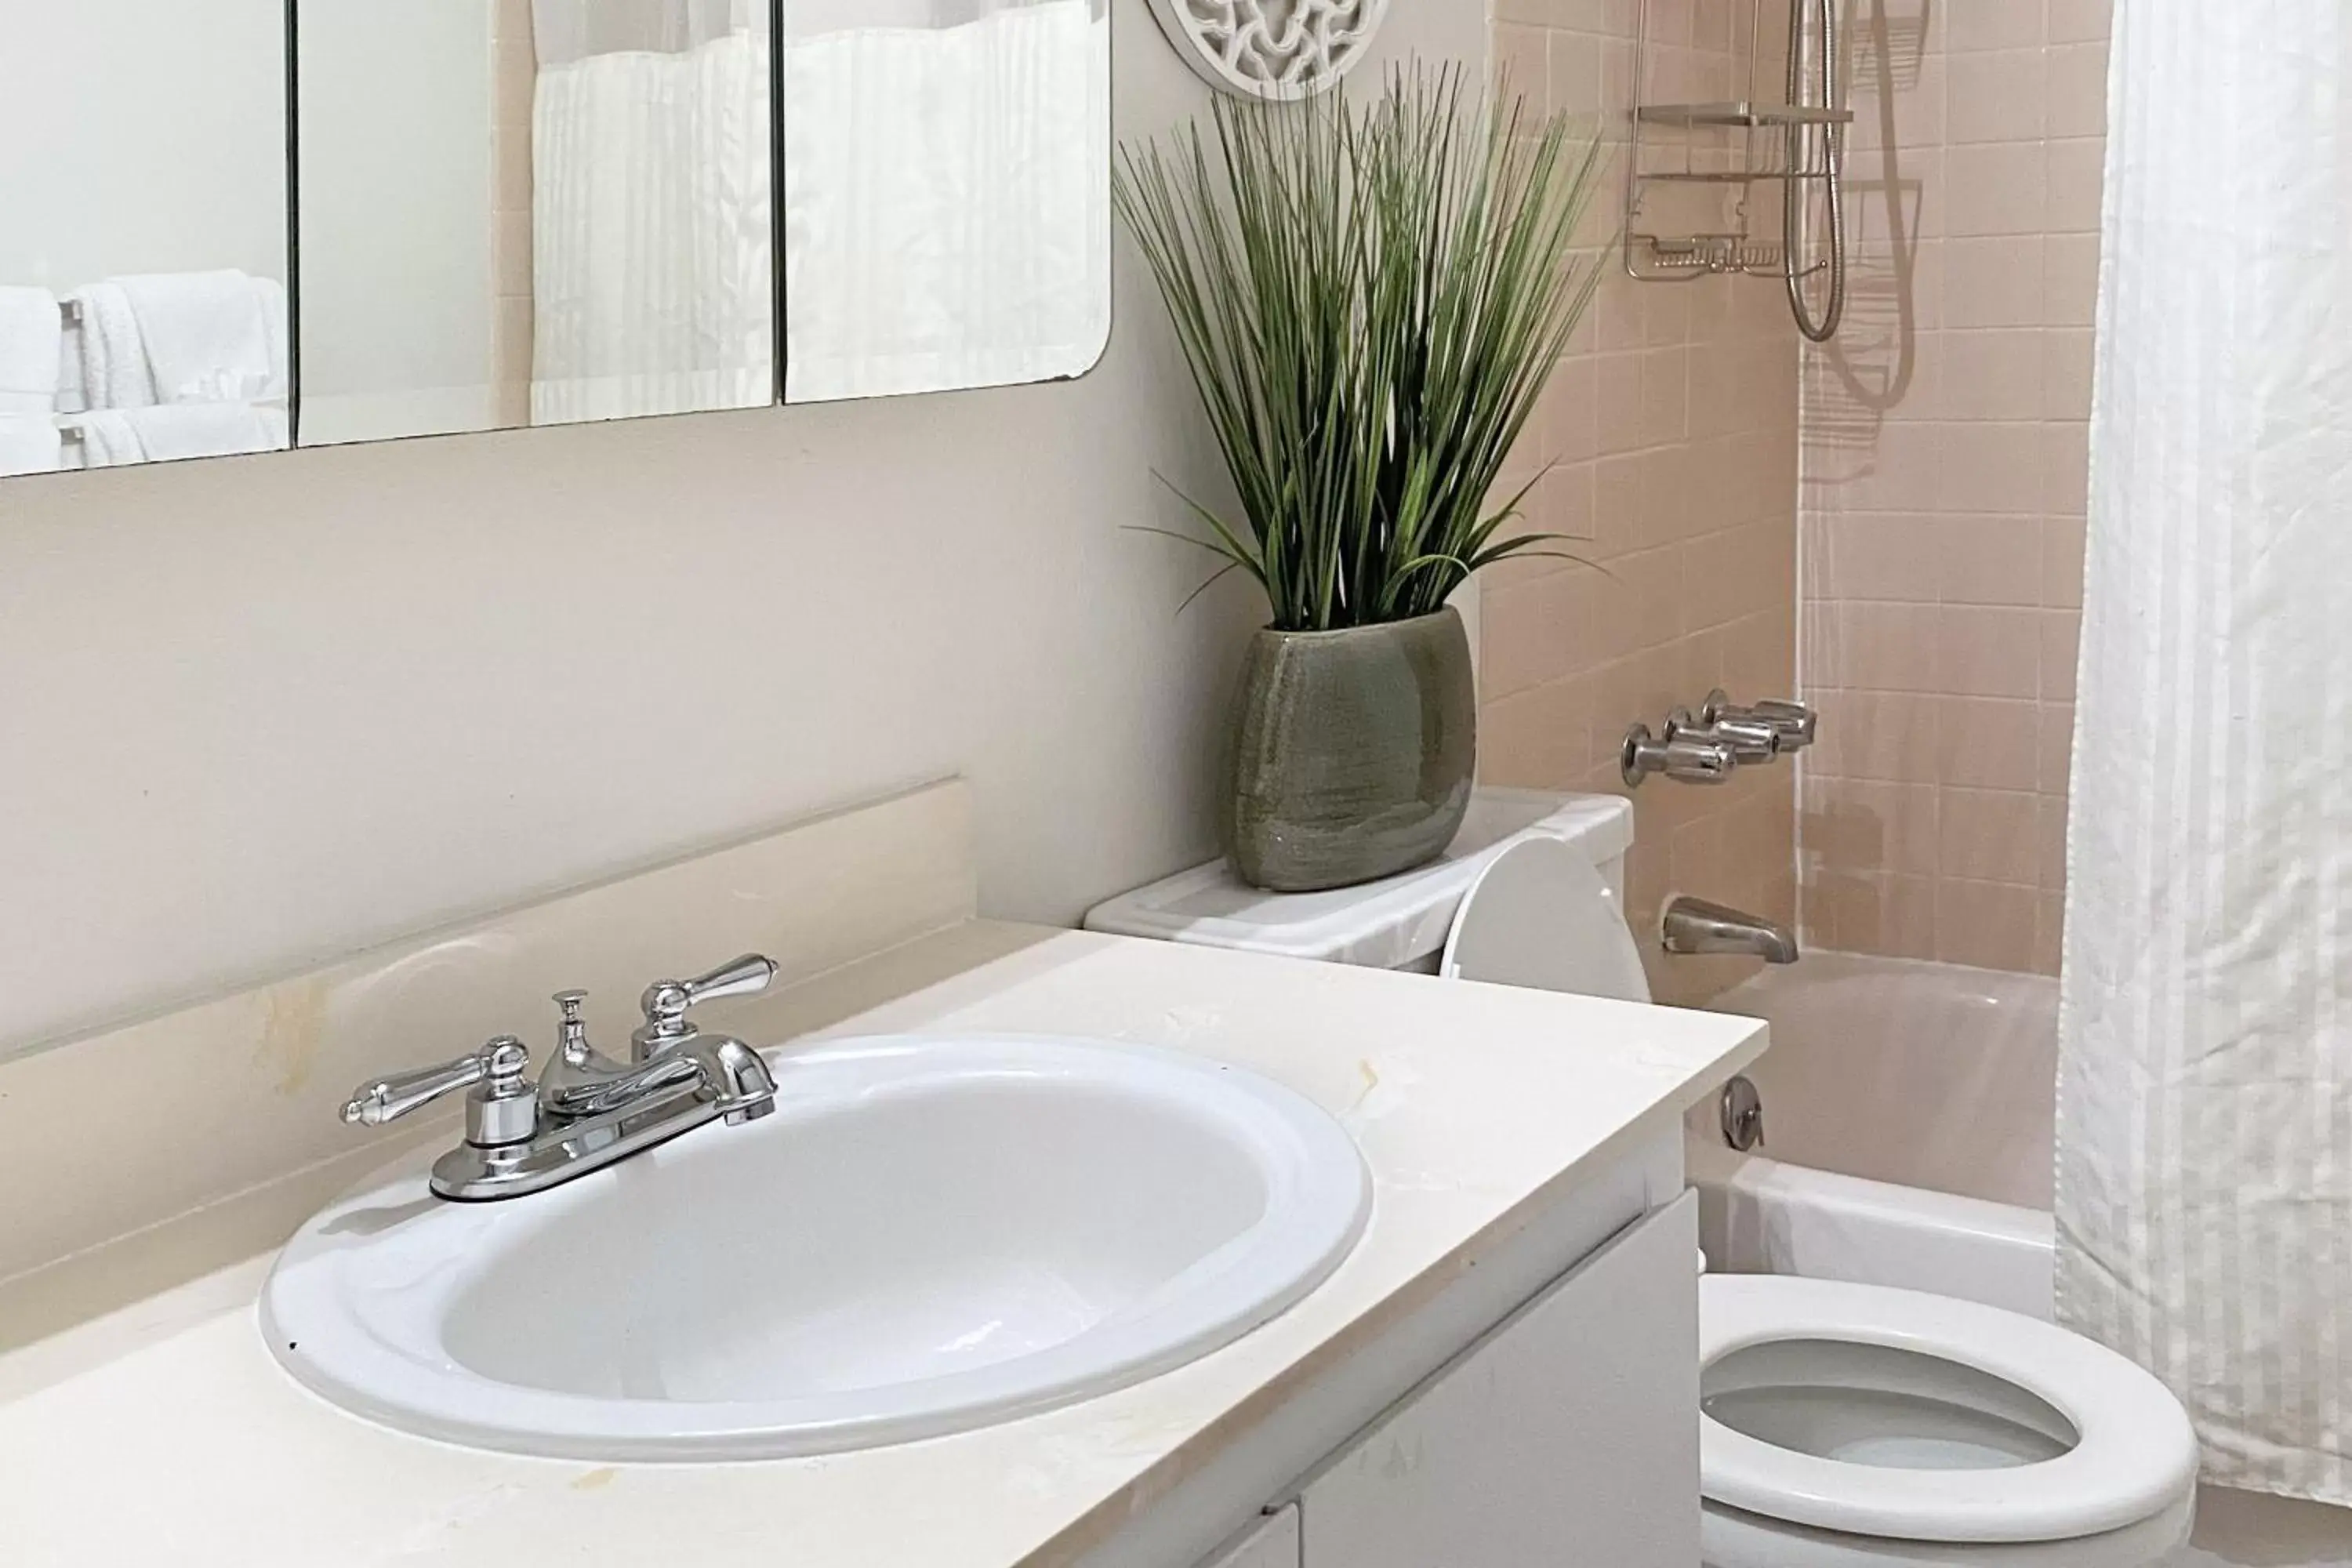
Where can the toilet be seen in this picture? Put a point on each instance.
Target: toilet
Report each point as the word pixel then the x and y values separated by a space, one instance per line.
pixel 1841 1425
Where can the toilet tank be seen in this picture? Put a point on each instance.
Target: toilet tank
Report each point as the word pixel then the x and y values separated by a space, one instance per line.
pixel 1398 922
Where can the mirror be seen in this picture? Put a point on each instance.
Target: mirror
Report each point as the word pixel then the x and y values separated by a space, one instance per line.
pixel 946 193
pixel 508 212
pixel 532 212
pixel 142 231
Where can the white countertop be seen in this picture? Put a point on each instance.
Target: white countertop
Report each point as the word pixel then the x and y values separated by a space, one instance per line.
pixel 165 1433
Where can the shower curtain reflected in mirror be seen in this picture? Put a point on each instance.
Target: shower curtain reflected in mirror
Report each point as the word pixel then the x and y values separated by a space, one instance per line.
pixel 946 196
pixel 652 224
pixel 2205 1087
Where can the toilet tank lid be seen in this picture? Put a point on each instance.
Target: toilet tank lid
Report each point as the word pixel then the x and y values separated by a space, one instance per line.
pixel 1384 924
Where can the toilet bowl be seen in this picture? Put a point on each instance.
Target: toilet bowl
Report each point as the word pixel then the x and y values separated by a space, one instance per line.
pixel 1844 1426
pixel 1848 1424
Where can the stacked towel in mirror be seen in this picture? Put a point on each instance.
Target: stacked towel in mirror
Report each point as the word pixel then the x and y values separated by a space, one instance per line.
pixel 183 364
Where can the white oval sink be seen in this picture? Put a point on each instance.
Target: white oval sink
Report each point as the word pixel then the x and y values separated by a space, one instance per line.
pixel 929 1235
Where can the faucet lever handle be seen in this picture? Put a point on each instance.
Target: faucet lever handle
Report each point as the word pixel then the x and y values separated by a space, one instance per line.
pixel 502 1062
pixel 745 976
pixel 665 1001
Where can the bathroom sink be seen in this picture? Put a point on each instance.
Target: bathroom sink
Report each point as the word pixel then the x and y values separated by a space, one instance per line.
pixel 930 1233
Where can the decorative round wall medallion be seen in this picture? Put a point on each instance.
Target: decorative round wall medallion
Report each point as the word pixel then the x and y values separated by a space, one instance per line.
pixel 1271 49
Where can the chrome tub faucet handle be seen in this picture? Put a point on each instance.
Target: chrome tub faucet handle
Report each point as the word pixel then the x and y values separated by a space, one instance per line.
pixel 1795 723
pixel 1750 739
pixel 1684 758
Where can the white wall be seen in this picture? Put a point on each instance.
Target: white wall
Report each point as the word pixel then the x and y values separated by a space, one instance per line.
pixel 257 710
pixel 141 136
pixel 397 287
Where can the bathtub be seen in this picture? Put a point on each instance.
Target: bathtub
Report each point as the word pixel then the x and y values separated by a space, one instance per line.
pixel 1909 1109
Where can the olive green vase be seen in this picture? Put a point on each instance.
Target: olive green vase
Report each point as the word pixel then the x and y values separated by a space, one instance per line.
pixel 1353 752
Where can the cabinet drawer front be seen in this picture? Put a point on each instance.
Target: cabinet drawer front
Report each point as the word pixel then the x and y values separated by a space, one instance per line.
pixel 1568 1437
pixel 1272 1543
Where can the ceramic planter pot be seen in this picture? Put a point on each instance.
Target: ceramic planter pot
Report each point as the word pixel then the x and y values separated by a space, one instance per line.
pixel 1353 752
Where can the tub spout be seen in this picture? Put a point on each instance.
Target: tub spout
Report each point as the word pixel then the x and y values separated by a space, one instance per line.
pixel 1691 926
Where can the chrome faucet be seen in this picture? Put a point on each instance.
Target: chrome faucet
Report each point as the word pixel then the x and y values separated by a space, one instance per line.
pixel 587 1111
pixel 1705 746
pixel 1693 926
pixel 1791 725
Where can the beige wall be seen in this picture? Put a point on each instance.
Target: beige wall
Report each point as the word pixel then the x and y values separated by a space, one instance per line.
pixel 1945 482
pixel 260 711
pixel 1672 423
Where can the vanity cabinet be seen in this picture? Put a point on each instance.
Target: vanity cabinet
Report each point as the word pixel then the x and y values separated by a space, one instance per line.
pixel 1568 1434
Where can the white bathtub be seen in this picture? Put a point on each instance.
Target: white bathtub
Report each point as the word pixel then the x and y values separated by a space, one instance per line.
pixel 1907 1121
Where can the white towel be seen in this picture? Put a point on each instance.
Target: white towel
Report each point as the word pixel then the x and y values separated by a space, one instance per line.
pixel 208 335
pixel 109 439
pixel 31 336
pixel 170 431
pixel 111 355
pixel 273 320
pixel 29 444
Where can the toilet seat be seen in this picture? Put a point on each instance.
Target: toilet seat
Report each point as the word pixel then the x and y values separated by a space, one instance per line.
pixel 2135 1456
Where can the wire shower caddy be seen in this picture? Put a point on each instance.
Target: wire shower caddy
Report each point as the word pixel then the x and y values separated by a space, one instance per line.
pixel 1695 168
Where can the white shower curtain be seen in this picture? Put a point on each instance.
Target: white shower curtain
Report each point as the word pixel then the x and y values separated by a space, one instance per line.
pixel 946 203
pixel 2205 1096
pixel 652 227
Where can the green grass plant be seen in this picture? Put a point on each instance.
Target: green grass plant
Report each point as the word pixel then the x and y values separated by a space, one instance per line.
pixel 1369 295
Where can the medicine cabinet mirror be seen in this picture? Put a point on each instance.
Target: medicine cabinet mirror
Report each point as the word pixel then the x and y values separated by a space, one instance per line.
pixel 251 224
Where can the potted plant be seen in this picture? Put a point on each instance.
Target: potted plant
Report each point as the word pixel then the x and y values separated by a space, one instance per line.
pixel 1370 296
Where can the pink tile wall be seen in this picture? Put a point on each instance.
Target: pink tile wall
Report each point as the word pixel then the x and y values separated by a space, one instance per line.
pixel 1670 430
pixel 1944 479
